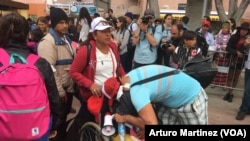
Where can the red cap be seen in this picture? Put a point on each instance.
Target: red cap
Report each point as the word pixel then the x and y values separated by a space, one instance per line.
pixel 109 89
pixel 94 105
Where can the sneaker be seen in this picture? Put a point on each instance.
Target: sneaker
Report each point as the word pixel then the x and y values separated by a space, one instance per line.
pixel 241 115
pixel 228 97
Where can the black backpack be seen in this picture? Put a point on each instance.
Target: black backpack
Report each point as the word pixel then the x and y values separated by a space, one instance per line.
pixel 201 69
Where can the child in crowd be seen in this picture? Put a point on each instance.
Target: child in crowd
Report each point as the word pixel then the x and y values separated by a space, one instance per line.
pixel 36 36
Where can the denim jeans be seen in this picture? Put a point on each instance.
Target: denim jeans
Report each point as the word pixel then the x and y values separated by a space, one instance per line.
pixel 245 105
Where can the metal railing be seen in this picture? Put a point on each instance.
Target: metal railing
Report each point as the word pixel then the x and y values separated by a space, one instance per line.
pixel 230 70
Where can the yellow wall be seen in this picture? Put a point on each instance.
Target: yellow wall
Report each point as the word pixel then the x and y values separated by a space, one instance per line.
pixel 24 13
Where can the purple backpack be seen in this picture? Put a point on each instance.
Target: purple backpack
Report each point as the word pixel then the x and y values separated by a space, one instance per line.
pixel 24 104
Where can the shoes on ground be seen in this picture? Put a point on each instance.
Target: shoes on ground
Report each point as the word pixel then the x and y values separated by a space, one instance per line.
pixel 228 97
pixel 241 115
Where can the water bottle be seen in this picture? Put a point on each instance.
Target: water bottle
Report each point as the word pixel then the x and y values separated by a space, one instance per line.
pixel 121 131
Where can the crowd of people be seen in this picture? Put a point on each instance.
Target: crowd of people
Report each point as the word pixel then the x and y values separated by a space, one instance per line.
pixel 97 58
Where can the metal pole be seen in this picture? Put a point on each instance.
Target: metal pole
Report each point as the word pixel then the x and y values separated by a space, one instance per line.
pixel 204 8
pixel 96 5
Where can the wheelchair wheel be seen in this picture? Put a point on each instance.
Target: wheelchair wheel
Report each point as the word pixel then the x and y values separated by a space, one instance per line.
pixel 90 131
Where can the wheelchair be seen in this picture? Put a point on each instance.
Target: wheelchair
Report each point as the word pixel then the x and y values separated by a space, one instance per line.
pixel 91 131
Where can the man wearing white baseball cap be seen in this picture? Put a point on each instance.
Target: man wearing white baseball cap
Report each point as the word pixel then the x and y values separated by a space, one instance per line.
pixel 93 66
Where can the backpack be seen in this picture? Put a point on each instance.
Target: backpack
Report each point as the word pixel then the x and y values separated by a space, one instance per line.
pixel 162 29
pixel 130 44
pixel 23 98
pixel 201 69
pixel 76 87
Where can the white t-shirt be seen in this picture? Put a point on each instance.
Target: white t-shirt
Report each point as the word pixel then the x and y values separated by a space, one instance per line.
pixel 84 30
pixel 105 66
pixel 133 25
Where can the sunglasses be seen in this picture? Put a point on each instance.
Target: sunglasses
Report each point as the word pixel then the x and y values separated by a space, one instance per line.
pixel 104 23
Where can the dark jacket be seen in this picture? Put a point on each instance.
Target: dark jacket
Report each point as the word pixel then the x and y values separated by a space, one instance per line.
pixel 232 52
pixel 47 73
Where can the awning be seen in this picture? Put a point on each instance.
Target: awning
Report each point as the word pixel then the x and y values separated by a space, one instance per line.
pixel 9 5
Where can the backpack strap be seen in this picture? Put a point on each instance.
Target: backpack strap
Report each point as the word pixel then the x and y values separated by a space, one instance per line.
pixel 5 58
pixel 32 58
pixel 154 27
pixel 130 27
pixel 88 51
pixel 123 32
pixel 156 77
pixel 162 27
pixel 153 32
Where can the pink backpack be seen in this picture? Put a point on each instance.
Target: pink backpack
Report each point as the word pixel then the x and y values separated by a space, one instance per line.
pixel 24 105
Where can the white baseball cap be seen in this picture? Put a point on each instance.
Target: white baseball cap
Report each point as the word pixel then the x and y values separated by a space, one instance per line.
pixel 99 23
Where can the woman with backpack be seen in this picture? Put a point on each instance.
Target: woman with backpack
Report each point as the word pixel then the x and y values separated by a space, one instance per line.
pixel 95 61
pixel 38 95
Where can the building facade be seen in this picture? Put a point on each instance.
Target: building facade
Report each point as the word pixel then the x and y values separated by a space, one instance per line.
pixel 38 7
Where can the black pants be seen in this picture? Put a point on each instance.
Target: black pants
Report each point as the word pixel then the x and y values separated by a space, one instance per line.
pixel 61 130
pixel 130 57
pixel 83 116
pixel 84 112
